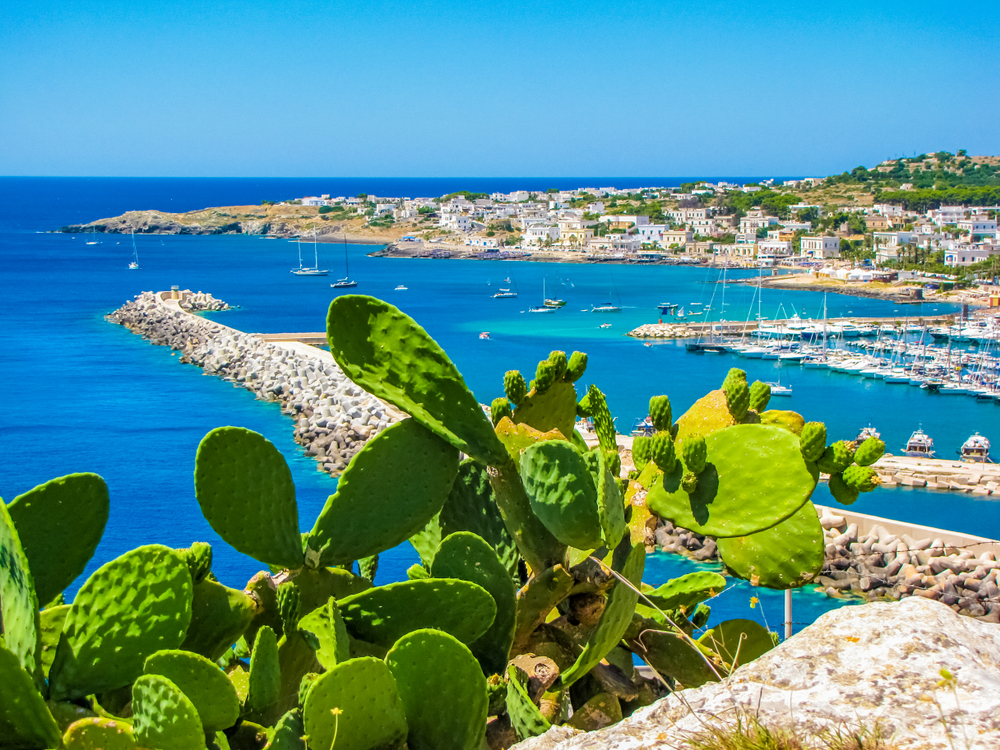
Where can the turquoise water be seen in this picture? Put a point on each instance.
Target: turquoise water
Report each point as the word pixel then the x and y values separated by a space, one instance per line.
pixel 85 395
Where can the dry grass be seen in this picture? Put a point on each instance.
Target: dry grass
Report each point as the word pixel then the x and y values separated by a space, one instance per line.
pixel 749 733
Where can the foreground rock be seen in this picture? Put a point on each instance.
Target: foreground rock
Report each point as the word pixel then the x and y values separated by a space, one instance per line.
pixel 333 416
pixel 857 666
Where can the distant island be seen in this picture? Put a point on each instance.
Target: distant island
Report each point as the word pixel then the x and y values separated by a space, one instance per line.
pixel 934 213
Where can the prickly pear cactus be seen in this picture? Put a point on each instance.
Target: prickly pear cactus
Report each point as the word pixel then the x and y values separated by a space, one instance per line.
pixel 443 691
pixel 642 451
pixel 603 424
pixel 390 356
pixel 219 616
pixel 245 491
pixel 784 556
pixel 562 493
pixel 695 454
pixel 738 641
pixel 165 718
pixel 870 451
pixel 610 506
pixel 551 408
pixel 25 721
pixel 760 395
pixel 289 606
pixel 467 557
pixel 99 733
pixel 708 414
pixel 60 524
pixel 813 439
pixel 836 457
pixel 18 603
pixel 515 387
pixel 525 717
pixel 325 631
pixel 130 607
pixel 51 624
pixel 205 685
pixel 499 409
pixel 576 366
pixel 661 413
pixel 686 592
pixel 289 733
pixel 355 706
pixel 737 397
pixel 841 492
pixel 662 451
pixel 385 614
pixel 559 361
pixel 546 375
pixel 861 478
pixel 199 561
pixel 265 673
pixel 369 513
pixel 755 476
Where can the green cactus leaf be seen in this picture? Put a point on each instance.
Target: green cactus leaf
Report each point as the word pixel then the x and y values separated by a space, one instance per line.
pixel 357 704
pixel 673 655
pixel 784 556
pixel 25 721
pixel 755 477
pixel 288 733
pixel 385 614
pixel 536 544
pixel 610 506
pixel 368 513
pixel 471 506
pixel 130 607
pixel 390 356
pixel 165 718
pixel 617 613
pixel 555 409
pixel 265 672
pixel 443 691
pixel 207 686
pixel 427 540
pixel 517 437
pixel 60 524
pixel 296 659
pixel 99 733
pixel 240 678
pixel 562 493
pixel 327 634
pixel 687 592
pixel 738 641
pixel 317 586
pixel 466 556
pixel 597 712
pixel 50 630
pixel 245 491
pixel 19 620
pixel 604 425
pixel 219 616
pixel 218 741
pixel 525 717
pixel 543 591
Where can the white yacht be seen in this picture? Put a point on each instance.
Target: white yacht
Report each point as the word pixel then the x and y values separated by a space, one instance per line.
pixel 920 445
pixel 976 449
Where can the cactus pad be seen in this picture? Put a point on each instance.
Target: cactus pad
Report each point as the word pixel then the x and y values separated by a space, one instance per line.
pixel 467 557
pixel 604 425
pixel 553 408
pixel 576 366
pixel 18 604
pixel 695 454
pixel 836 457
pixel 99 733
pixel 499 409
pixel 841 492
pixel 870 451
pixel 535 601
pixel 662 451
pixel 813 439
pixel 50 631
pixel 130 607
pixel 737 397
pixel 707 415
pixel 525 717
pixel 790 420
pixel 785 556
pixel 546 374
pixel 288 733
pixel 390 356
pixel 165 718
pixel 25 720
pixel 558 360
pixel 617 613
pixel 686 592
pixel 219 616
pixel 517 437
pixel 754 478
pixel 760 394
pixel 562 493
pixel 207 686
pixel 385 614
pixel 661 413
pixel 265 672
pixel 356 703
pixel 610 506
pixel 327 634
pixel 642 451
pixel 246 494
pixel 673 655
pixel 289 606
pixel 60 524
pixel 515 387
pixel 861 478
pixel 443 691
pixel 390 490
pixel 199 561
pixel 738 642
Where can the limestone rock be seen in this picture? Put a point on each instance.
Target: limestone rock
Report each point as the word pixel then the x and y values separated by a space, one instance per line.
pixel 876 663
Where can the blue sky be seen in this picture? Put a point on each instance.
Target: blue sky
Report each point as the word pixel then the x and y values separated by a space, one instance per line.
pixel 98 87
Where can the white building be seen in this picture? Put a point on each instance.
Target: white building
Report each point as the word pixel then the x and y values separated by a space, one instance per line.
pixel 754 220
pixel 456 222
pixel 979 227
pixel 819 248
pixel 773 249
pixel 537 233
pixel 966 255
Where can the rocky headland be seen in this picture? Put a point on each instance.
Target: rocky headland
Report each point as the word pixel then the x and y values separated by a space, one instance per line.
pixel 333 416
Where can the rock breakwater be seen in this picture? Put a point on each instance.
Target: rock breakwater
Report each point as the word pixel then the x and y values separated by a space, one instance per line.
pixel 333 416
pixel 880 565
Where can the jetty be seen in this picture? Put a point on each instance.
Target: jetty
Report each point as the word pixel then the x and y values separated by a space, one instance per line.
pixel 674 328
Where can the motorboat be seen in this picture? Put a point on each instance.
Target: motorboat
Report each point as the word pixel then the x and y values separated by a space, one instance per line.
pixel 777 389
pixel 555 303
pixel 542 309
pixel 509 292
pixel 920 445
pixel 976 449
pixel 866 432
pixel 643 428
pixel 402 288
pixel 485 335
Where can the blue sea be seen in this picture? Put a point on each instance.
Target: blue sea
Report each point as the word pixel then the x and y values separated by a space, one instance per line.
pixel 85 395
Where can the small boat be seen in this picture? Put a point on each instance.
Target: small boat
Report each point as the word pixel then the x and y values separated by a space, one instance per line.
pixel 306 270
pixel 605 325
pixel 400 288
pixel 865 433
pixel 485 335
pixel 555 303
pixel 508 293
pixel 667 307
pixel 920 445
pixel 346 282
pixel 643 428
pixel 976 449
pixel 777 389
pixel 544 307
pixel 93 237
pixel 605 308
pixel 134 265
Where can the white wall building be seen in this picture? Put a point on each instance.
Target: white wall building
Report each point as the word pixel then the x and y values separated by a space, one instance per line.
pixel 819 248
